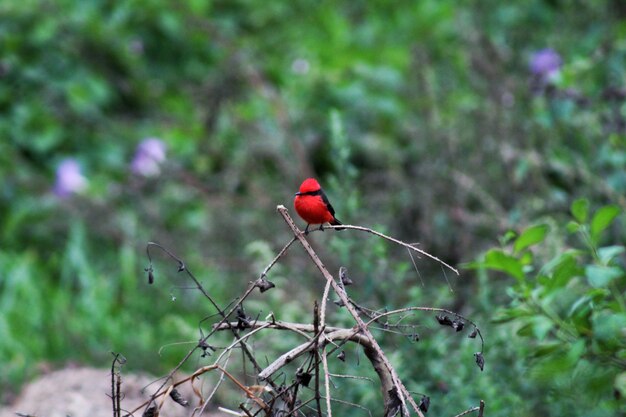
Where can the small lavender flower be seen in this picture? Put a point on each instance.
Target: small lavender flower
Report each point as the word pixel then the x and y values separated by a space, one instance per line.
pixel 545 63
pixel 148 158
pixel 300 66
pixel 69 179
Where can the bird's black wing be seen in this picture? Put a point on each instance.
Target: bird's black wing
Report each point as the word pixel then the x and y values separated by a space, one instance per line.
pixel 328 205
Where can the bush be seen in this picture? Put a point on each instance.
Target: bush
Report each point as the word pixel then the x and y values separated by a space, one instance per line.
pixel 567 309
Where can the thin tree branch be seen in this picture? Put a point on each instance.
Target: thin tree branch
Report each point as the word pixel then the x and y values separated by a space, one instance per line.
pixel 389 238
pixel 182 267
pixel 316 352
pixel 471 410
pixel 301 329
pixel 326 382
pixel 403 393
pixel 196 374
pixel 443 310
pixel 281 253
pixel 200 409
pixel 323 352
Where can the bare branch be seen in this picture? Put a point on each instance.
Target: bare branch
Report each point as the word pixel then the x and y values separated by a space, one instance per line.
pixel 199 410
pixel 329 412
pixel 182 267
pixel 281 253
pixel 299 328
pixel 292 399
pixel 403 393
pixel 378 316
pixel 195 375
pixel 471 410
pixel 391 239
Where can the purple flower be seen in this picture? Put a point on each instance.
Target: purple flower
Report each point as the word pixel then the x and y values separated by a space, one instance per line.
pixel 69 179
pixel 545 63
pixel 149 155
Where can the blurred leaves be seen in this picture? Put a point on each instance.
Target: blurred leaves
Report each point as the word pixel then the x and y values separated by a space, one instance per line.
pixel 571 313
pixel 531 236
pixel 601 276
pixel 601 220
pixel 498 260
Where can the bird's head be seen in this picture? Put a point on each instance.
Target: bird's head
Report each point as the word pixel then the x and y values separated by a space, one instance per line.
pixel 309 185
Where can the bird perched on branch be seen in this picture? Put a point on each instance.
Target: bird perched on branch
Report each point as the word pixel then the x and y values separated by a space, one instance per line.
pixel 313 206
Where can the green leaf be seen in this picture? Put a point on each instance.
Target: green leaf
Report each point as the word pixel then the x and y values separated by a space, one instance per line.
pixel 608 326
pixel 584 304
pixel 580 305
pixel 561 269
pixel 530 236
pixel 580 209
pixel 603 219
pixel 559 364
pixel 541 325
pixel 510 314
pixel 527 259
pixel 600 276
pixel 497 260
pixel 607 253
pixel 508 237
pixel 547 349
pixel 577 349
pixel 573 227
pixel 526 330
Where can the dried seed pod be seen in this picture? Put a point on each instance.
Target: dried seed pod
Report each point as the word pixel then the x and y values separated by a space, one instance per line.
pixel 178 398
pixel 480 360
pixel 303 378
pixel 243 321
pixel 424 403
pixel 206 348
pixel 458 325
pixel 150 411
pixel 444 320
pixel 343 276
pixel 150 272
pixel 263 284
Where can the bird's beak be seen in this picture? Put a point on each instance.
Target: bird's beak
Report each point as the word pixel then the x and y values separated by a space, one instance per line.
pixel 298 193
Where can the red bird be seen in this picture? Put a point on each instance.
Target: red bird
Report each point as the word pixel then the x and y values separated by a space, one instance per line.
pixel 313 206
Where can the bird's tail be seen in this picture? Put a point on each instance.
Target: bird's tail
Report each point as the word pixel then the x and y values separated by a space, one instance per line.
pixel 336 222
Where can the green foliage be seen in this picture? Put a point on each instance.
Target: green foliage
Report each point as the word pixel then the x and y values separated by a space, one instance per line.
pixel 83 313
pixel 419 118
pixel 567 307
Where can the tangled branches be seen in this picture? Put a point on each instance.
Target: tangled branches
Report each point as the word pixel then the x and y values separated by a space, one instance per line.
pixel 310 388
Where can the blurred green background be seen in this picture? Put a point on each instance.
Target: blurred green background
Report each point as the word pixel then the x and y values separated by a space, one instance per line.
pixel 492 133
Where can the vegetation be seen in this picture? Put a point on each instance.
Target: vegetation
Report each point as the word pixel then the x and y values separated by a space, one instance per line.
pixel 444 122
pixel 567 308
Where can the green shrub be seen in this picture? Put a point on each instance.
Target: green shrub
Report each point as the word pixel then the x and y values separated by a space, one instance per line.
pixel 567 309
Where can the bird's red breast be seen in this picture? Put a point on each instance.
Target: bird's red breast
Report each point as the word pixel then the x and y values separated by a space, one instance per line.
pixel 312 205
